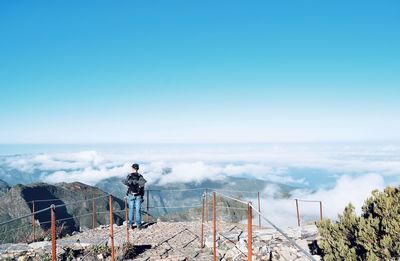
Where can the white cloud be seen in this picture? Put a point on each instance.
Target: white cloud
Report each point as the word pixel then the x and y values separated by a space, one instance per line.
pixel 347 189
pixel 64 161
pixel 189 172
pixel 194 163
pixel 88 175
pixel 351 165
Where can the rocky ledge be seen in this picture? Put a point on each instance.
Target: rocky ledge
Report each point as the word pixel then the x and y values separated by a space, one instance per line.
pixel 168 241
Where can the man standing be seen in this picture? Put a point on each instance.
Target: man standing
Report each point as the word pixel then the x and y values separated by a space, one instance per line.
pixel 135 193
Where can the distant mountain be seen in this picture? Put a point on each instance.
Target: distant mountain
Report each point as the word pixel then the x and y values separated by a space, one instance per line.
pixel 164 200
pixel 17 202
pixel 15 176
pixel 4 187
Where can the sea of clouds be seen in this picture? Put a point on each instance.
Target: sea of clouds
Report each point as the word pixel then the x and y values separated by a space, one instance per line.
pixel 342 173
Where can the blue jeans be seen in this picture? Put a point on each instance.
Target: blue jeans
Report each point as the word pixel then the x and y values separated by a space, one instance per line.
pixel 135 202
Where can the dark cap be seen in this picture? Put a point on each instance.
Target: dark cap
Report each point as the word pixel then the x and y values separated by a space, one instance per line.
pixel 135 166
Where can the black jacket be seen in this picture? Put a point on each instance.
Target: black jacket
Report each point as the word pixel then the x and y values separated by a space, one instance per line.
pixel 135 183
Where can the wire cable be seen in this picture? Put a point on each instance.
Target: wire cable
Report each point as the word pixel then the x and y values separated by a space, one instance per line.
pixel 80 201
pixel 25 216
pixel 311 201
pixel 234 199
pixel 284 234
pixel 195 206
pixel 45 209
pixel 173 190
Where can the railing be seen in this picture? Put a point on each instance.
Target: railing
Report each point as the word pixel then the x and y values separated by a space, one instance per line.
pixel 307 201
pixel 53 219
pixel 250 209
pixel 205 218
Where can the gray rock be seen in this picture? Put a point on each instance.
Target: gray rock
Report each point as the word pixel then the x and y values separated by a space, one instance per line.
pixel 172 241
pixel 39 245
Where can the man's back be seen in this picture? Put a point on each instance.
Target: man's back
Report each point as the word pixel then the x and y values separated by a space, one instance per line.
pixel 135 183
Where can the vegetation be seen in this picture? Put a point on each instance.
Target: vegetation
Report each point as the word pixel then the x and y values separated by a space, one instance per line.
pixel 101 249
pixel 375 235
pixel 45 257
pixel 131 251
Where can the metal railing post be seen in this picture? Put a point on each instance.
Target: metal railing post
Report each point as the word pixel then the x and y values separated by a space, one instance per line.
pixel 206 205
pixel 249 233
pixel 53 233
pixel 202 222
pixel 320 210
pixel 126 220
pixel 215 225
pixel 111 229
pixel 33 221
pixel 259 209
pixel 94 214
pixel 147 204
pixel 297 211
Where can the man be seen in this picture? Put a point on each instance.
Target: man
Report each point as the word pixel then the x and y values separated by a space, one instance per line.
pixel 135 193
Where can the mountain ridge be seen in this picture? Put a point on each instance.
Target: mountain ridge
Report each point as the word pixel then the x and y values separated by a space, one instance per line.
pixel 18 201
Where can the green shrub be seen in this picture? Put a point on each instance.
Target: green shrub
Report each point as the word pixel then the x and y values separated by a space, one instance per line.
pixel 375 235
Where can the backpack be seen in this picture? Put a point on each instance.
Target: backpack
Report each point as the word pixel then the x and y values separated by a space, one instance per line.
pixel 133 185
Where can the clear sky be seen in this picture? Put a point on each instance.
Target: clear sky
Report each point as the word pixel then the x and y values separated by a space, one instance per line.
pixel 199 71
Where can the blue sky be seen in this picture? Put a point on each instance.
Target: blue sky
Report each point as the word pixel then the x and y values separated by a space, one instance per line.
pixel 199 71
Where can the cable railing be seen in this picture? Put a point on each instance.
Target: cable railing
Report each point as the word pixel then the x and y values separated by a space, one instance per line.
pixel 284 234
pixel 193 206
pixel 251 208
pixel 175 190
pixel 307 201
pixel 39 220
pixel 240 208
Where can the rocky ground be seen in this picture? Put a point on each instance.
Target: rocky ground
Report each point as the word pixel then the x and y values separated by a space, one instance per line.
pixel 168 241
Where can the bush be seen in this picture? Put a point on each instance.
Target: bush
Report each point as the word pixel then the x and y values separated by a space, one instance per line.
pixel 375 235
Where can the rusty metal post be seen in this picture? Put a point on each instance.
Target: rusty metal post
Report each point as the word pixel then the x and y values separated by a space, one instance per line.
pixel 297 211
pixel 147 204
pixel 259 209
pixel 320 210
pixel 126 220
pixel 206 205
pixel 215 225
pixel 202 222
pixel 33 221
pixel 249 233
pixel 94 214
pixel 53 234
pixel 111 229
